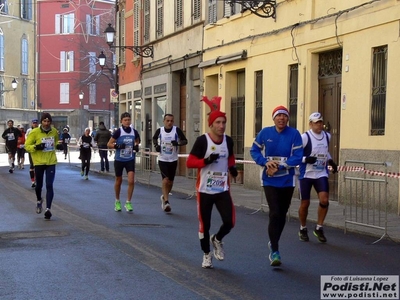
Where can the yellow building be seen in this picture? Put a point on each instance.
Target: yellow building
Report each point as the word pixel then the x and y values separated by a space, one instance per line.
pixel 336 57
pixel 17 62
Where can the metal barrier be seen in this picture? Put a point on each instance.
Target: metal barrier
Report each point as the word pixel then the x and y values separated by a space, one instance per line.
pixel 366 196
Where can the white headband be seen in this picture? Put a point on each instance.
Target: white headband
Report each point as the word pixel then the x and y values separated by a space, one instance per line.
pixel 280 111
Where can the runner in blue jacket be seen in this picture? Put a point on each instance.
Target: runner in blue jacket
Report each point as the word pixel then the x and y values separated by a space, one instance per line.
pixel 278 149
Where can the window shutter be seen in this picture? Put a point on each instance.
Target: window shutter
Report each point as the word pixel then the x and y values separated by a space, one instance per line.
pixel 71 60
pixel 147 20
pixel 57 28
pixel 62 61
pixel 88 24
pixel 97 20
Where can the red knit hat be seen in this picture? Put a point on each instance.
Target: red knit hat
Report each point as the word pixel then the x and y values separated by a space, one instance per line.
pixel 214 105
pixel 279 110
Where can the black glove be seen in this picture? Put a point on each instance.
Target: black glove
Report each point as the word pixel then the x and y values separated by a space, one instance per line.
pixel 158 148
pixel 174 143
pixel 40 146
pixel 119 146
pixel 233 171
pixel 81 146
pixel 136 148
pixel 59 147
pixel 333 165
pixel 213 157
pixel 311 159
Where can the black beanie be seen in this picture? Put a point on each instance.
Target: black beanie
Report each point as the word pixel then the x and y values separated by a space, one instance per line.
pixel 46 116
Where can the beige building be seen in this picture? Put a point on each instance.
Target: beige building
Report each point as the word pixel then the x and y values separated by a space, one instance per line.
pixel 169 81
pixel 17 62
pixel 336 57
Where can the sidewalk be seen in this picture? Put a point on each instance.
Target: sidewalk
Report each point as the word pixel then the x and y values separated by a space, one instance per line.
pixel 255 200
pixel 248 198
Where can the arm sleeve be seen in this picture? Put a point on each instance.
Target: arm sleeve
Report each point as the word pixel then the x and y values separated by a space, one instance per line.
pixel 30 143
pixel 155 137
pixel 297 151
pixel 137 137
pixel 231 157
pixel 196 156
pixel 256 149
pixel 182 138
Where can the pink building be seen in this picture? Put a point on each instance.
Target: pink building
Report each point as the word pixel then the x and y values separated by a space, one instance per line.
pixel 70 38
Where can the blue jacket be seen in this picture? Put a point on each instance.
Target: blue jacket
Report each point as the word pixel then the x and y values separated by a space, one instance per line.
pixel 285 147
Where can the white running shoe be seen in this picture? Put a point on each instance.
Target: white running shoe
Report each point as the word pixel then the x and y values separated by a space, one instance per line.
pixel 218 248
pixel 165 205
pixel 207 261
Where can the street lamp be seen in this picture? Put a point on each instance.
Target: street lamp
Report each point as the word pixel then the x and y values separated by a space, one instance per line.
pixel 144 51
pixel 14 85
pixel 81 94
pixel 261 8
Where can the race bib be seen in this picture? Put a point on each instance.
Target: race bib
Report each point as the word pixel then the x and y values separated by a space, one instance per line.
pixel 49 144
pixel 217 181
pixel 127 152
pixel 320 163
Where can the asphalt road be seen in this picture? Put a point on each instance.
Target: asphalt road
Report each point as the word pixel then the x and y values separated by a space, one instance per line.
pixel 89 251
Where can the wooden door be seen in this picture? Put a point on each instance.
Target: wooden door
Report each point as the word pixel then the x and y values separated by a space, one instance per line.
pixel 329 106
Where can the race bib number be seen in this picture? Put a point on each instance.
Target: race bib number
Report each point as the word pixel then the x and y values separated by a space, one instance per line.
pixel 281 161
pixel 10 136
pixel 127 152
pixel 49 144
pixel 168 148
pixel 217 182
pixel 320 163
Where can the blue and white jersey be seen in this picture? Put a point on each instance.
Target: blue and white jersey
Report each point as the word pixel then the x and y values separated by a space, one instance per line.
pixel 316 145
pixel 128 139
pixel 284 147
pixel 169 152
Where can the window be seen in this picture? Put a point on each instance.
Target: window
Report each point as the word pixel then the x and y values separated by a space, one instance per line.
pixel 64 23
pixel 121 51
pixel 378 104
pixel 24 56
pixel 178 14
pixel 24 94
pixel 160 19
pixel 136 24
pixel 259 102
pixel 92 93
pixel 293 87
pixel 92 25
pixel 237 117
pixel 146 20
pixel 231 8
pixel 64 93
pixel 4 7
pixel 92 62
pixel 26 9
pixel 66 61
pixel 212 11
pixel 1 52
pixel 196 10
pixel 2 103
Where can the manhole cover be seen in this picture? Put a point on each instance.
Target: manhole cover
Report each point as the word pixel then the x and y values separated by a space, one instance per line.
pixel 31 234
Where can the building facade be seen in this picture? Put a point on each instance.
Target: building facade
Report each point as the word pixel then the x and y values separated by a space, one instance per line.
pixel 70 39
pixel 168 82
pixel 336 57
pixel 17 63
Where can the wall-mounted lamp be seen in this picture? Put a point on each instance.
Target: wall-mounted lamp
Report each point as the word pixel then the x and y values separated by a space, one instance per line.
pixel 14 85
pixel 144 51
pixel 81 94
